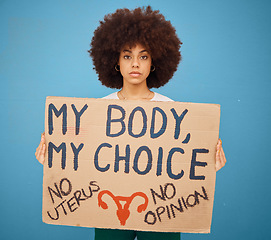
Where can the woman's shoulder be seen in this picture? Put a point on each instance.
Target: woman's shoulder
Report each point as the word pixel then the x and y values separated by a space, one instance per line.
pixel 161 98
pixel 113 95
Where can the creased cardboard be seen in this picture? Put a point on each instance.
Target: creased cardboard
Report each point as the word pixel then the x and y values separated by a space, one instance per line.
pixel 138 165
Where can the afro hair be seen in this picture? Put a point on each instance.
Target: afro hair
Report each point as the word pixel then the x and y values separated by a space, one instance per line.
pixel 130 27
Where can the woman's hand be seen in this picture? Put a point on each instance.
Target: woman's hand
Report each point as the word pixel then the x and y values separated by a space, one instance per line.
pixel 40 151
pixel 220 158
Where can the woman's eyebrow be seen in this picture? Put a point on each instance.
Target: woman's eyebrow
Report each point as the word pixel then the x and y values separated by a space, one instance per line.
pixel 129 51
pixel 143 51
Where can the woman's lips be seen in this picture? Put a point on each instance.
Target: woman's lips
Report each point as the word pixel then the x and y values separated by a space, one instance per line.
pixel 135 74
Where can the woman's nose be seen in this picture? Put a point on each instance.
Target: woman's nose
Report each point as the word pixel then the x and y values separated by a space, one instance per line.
pixel 135 63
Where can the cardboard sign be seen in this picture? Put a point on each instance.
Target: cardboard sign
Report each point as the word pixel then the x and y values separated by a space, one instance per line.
pixel 138 165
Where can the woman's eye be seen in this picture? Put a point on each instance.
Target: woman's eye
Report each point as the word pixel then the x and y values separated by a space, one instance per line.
pixel 127 57
pixel 144 57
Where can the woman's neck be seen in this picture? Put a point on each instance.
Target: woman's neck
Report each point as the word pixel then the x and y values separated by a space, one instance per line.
pixel 135 92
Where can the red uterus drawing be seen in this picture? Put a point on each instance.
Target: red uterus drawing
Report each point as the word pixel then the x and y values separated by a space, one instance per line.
pixel 123 213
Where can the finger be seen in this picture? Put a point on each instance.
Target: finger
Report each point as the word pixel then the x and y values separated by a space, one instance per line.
pixel 219 145
pixel 37 149
pixel 218 165
pixel 40 145
pixel 219 142
pixel 42 156
pixel 221 162
pixel 223 157
pixel 42 141
pixel 42 138
pixel 38 152
pixel 218 148
pixel 220 159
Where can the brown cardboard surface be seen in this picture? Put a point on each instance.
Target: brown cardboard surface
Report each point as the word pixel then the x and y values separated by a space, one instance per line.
pixel 114 164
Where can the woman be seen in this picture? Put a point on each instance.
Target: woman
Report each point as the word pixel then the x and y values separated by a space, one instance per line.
pixel 134 51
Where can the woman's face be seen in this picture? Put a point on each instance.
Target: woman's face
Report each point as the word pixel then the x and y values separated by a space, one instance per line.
pixel 135 64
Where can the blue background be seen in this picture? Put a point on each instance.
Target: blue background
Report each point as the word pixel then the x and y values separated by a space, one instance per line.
pixel 226 60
